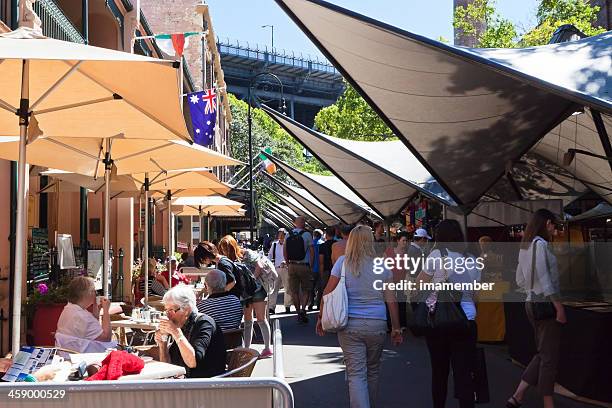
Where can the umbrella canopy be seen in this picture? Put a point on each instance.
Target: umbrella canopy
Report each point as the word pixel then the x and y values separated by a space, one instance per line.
pixel 192 210
pixel 54 88
pixel 86 155
pixel 329 190
pixel 463 113
pixel 132 185
pixel 76 90
pixel 210 204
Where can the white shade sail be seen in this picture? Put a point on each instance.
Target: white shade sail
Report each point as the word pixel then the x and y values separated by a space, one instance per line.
pixel 329 190
pixel 308 201
pixel 464 114
pixel 297 208
pixel 385 174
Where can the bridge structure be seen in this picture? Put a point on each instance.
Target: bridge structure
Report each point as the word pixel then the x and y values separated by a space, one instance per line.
pixel 309 83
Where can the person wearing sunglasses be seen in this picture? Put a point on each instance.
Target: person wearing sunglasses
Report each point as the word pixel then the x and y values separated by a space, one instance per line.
pixel 188 338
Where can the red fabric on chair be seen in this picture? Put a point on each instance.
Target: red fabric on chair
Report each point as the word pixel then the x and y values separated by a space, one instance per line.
pixel 117 364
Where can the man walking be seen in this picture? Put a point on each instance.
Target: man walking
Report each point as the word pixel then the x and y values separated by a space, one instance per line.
pixel 276 255
pixel 299 254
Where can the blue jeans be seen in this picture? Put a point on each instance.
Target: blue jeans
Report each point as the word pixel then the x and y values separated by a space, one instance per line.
pixel 362 344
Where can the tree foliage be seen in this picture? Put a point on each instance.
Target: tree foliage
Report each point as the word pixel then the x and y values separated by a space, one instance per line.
pixel 500 32
pixel 352 118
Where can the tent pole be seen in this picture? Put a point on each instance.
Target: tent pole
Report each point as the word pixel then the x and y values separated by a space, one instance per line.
pixel 108 164
pixel 170 248
pixel 22 196
pixel 145 265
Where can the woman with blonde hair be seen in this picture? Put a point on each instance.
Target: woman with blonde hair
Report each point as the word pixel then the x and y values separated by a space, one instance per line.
pixel 363 337
pixel 228 246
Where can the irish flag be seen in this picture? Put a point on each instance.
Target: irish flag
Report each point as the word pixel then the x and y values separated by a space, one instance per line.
pixel 174 44
pixel 266 163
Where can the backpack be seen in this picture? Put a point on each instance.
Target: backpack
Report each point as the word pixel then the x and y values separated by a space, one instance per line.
pixel 295 246
pixel 245 280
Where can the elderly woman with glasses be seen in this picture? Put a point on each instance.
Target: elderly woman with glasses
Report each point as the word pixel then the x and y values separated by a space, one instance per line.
pixel 189 338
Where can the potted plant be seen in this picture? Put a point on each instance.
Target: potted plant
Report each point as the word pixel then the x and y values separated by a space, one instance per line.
pixel 43 309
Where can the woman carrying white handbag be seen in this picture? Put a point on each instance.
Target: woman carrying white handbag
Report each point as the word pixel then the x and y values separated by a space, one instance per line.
pixel 356 310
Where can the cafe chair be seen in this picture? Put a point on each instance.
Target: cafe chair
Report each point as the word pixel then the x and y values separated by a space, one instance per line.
pixel 242 362
pixel 233 338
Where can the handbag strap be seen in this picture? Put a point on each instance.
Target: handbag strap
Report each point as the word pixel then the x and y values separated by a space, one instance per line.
pixel 533 261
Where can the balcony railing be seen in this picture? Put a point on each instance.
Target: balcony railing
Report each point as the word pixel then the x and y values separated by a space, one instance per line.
pixel 55 24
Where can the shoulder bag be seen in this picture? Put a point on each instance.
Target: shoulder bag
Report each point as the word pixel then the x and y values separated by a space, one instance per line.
pixel 334 316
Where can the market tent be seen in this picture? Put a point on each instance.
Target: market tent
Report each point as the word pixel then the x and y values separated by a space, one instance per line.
pixel 308 201
pixel 465 114
pixel 385 174
pixel 297 208
pixel 601 210
pixel 271 223
pixel 280 212
pixel 329 190
pixel 497 213
pixel 56 88
pixel 268 212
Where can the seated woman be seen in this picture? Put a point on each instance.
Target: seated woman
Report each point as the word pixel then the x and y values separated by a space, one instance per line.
pixel 79 329
pixel 177 277
pixel 158 285
pixel 224 307
pixel 188 338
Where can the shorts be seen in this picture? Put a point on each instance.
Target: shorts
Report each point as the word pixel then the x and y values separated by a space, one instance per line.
pixel 300 276
pixel 259 296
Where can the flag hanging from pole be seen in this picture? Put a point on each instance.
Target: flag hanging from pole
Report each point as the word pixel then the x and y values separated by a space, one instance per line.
pixel 266 163
pixel 174 44
pixel 201 117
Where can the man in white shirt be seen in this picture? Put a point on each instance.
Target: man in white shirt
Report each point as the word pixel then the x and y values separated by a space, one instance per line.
pixel 276 255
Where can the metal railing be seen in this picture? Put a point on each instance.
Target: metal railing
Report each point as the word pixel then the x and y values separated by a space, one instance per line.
pixel 275 56
pixel 55 24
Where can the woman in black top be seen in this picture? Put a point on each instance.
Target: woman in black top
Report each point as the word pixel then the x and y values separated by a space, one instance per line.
pixel 207 253
pixel 188 338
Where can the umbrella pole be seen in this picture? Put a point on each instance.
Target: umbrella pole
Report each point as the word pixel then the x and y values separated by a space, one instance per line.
pixel 22 195
pixel 108 164
pixel 208 226
pixel 201 225
pixel 170 249
pixel 146 239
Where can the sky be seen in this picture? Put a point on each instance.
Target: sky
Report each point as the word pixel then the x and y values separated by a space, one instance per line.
pixel 241 20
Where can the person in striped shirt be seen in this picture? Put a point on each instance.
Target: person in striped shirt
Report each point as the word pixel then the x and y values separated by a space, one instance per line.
pixel 224 307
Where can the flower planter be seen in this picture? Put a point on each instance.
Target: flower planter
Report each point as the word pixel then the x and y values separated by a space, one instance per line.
pixel 44 323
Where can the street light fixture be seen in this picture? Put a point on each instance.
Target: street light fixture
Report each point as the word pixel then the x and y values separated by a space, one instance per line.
pixel 272 27
pixel 281 107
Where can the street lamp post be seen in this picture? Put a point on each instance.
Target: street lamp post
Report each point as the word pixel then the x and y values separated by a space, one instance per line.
pixel 272 27
pixel 250 129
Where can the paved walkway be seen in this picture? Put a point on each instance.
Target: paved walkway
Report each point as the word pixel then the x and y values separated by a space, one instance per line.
pixel 314 369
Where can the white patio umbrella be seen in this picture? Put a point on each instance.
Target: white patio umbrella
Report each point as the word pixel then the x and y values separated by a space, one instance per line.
pixel 62 89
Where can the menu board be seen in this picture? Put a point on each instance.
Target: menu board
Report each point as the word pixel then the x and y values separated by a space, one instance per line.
pixel 65 251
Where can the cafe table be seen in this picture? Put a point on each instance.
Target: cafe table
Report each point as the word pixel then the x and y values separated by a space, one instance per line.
pixel 133 324
pixel 153 370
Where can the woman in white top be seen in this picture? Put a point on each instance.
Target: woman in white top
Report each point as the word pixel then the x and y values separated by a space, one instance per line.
pixel 448 261
pixel 79 327
pixel 540 280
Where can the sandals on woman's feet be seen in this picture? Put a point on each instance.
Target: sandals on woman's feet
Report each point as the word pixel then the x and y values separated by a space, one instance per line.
pixel 513 403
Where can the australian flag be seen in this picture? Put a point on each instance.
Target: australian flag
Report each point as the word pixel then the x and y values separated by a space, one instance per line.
pixel 201 117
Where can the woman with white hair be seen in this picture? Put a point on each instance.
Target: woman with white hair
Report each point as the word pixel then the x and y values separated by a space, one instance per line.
pixel 224 307
pixel 188 338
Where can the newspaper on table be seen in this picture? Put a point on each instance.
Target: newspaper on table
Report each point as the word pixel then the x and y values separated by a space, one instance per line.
pixel 27 361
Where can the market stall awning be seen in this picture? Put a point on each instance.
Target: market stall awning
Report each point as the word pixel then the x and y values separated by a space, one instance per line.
pixel 287 214
pixel 303 203
pixel 497 213
pixel 463 113
pixel 601 210
pixel 385 174
pixel 329 190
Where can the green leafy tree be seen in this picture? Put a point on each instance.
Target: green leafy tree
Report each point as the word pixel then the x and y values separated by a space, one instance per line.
pixel 500 32
pixel 266 133
pixel 352 118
